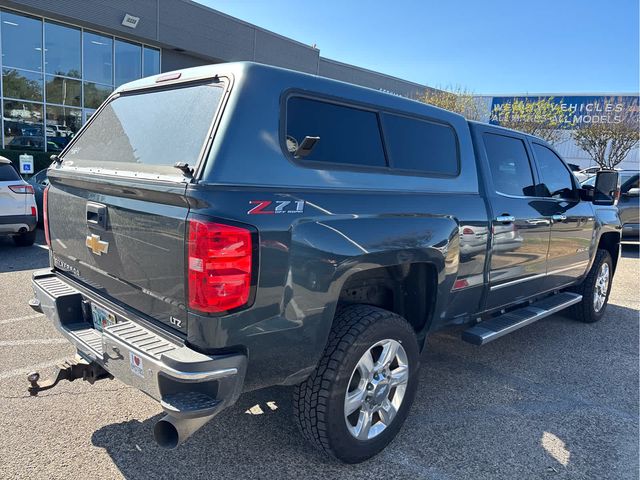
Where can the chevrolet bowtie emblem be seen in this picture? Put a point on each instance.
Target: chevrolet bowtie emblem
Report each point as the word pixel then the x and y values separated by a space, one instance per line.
pixel 96 245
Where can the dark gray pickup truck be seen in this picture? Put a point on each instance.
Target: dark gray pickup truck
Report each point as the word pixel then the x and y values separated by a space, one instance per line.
pixel 226 228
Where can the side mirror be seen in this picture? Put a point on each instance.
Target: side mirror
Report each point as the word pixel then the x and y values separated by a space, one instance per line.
pixel 633 192
pixel 606 188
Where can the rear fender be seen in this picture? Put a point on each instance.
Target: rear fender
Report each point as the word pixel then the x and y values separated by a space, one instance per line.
pixel 325 253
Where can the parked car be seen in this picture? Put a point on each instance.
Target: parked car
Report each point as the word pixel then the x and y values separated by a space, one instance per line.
pixel 39 182
pixel 628 204
pixel 306 232
pixel 59 130
pixel 586 173
pixel 18 213
pixel 31 143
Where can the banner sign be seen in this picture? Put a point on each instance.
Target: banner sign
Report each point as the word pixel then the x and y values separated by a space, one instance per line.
pixel 579 110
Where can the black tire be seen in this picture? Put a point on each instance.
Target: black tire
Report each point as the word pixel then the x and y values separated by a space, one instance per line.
pixel 319 401
pixel 585 310
pixel 25 239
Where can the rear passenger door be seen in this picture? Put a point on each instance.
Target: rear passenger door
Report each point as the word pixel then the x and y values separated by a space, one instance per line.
pixel 520 229
pixel 572 221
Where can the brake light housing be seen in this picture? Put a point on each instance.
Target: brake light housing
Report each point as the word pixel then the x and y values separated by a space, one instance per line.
pixel 220 266
pixel 22 189
pixel 45 219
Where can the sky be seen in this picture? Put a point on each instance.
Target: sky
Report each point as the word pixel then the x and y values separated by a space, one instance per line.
pixel 486 47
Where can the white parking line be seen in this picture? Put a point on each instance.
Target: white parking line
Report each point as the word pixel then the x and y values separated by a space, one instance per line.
pixel 33 368
pixel 19 319
pixel 44 247
pixel 41 341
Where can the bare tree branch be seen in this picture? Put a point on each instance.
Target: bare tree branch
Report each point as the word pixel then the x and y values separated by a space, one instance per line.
pixel 609 140
pixel 541 117
pixel 455 99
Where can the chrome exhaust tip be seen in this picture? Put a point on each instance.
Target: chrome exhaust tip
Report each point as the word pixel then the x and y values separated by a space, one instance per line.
pixel 171 432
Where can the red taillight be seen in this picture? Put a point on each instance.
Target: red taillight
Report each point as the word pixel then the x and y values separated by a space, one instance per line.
pixel 45 219
pixel 34 212
pixel 219 270
pixel 460 283
pixel 21 189
pixel 468 231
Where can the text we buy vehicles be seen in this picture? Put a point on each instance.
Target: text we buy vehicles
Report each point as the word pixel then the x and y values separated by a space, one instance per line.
pixel 231 227
pixel 18 212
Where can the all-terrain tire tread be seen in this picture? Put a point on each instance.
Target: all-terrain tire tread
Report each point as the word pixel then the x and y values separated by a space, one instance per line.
pixel 583 311
pixel 311 396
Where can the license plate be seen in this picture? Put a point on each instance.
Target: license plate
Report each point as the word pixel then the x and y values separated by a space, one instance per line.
pixel 102 318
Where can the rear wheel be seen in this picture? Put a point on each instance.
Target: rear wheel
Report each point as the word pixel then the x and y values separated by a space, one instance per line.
pixel 355 402
pixel 25 239
pixel 594 289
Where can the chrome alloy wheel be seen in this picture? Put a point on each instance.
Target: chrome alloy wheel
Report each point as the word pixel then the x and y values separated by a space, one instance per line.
pixel 601 288
pixel 376 389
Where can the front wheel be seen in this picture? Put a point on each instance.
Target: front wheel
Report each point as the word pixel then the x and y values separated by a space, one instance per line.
pixel 594 289
pixel 357 399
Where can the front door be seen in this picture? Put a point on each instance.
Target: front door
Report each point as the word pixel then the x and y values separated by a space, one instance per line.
pixel 520 229
pixel 572 221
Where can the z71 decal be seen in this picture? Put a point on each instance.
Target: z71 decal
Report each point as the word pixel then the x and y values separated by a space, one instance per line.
pixel 267 207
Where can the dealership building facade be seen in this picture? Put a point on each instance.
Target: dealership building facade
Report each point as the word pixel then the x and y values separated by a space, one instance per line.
pixel 61 58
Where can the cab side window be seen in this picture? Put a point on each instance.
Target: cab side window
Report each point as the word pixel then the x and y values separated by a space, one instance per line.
pixel 347 135
pixel 629 182
pixel 509 164
pixel 555 178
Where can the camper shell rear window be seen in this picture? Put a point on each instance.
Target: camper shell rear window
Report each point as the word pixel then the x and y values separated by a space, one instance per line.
pixel 148 131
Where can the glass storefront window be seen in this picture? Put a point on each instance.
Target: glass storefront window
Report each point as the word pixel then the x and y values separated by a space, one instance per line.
pixel 63 91
pixel 98 58
pixel 151 62
pixel 21 84
pixel 21 41
pixel 128 62
pixel 62 123
pixel 62 50
pixel 55 75
pixel 23 129
pixel 95 94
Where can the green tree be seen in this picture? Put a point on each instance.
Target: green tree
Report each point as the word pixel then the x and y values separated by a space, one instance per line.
pixel 541 117
pixel 454 99
pixel 16 85
pixel 610 134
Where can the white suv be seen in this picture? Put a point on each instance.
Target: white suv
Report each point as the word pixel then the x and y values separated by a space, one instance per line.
pixel 18 211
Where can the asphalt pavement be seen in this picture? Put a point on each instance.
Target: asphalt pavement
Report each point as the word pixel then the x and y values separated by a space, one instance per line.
pixel 557 399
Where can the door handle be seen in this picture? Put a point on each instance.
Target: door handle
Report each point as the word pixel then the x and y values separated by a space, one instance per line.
pixel 506 218
pixel 559 218
pixel 537 221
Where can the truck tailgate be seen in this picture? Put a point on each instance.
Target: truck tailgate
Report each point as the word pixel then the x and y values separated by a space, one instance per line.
pixel 135 253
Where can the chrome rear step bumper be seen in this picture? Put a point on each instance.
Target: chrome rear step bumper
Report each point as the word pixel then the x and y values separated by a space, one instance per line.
pixel 489 330
pixel 188 384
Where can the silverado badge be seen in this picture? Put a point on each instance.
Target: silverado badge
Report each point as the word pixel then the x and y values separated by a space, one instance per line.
pixel 96 245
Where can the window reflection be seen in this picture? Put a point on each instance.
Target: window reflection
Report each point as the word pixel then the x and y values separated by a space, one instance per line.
pixel 63 91
pixel 23 129
pixel 21 41
pixel 21 84
pixel 128 62
pixel 62 50
pixel 98 61
pixel 95 94
pixel 62 123
pixel 63 71
pixel 151 61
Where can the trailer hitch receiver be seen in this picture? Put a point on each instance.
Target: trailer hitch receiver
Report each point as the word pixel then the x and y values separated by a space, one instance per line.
pixel 70 370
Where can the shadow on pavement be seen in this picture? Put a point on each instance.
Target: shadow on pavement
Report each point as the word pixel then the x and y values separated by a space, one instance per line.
pixel 15 259
pixel 553 398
